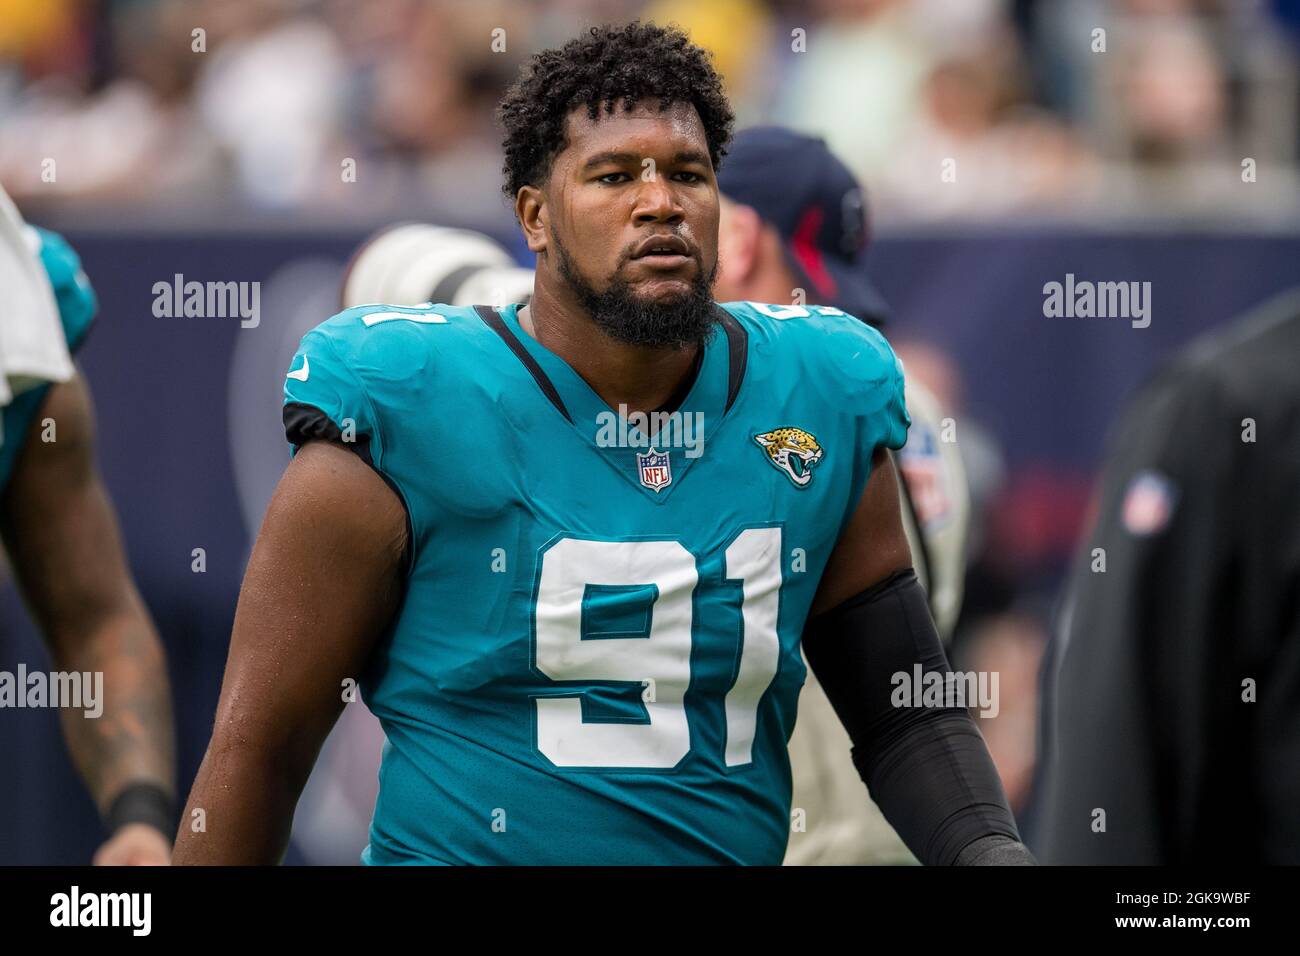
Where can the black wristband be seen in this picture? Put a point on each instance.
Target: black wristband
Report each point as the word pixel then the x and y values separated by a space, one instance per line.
pixel 144 803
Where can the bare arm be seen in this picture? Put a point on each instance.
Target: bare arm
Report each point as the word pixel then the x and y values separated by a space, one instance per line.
pixel 323 581
pixel 62 536
pixel 872 546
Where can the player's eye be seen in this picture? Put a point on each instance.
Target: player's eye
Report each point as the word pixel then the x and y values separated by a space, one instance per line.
pixel 692 177
pixel 608 176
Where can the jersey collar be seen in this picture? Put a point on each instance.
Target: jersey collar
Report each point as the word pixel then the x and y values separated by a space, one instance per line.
pixel 616 439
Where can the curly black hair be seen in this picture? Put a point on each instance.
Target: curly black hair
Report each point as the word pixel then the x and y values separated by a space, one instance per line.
pixel 605 65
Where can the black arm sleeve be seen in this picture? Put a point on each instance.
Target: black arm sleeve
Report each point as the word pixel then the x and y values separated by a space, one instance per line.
pixel 927 767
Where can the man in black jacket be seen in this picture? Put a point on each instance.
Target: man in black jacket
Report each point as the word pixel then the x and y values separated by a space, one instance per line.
pixel 1171 730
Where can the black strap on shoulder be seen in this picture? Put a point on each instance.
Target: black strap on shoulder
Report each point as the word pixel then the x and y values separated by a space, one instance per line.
pixel 494 321
pixel 737 353
pixel 303 423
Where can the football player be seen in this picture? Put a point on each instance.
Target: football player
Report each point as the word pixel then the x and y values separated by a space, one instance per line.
pixel 793 226
pixel 570 549
pixel 62 540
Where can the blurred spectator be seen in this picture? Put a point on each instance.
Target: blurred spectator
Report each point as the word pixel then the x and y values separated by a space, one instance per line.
pixel 857 82
pixel 271 99
pixel 1003 154
pixel 1036 116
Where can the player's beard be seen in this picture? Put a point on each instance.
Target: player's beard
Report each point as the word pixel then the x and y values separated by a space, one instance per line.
pixel 621 314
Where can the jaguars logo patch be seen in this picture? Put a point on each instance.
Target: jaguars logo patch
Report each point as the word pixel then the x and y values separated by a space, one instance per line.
pixel 791 451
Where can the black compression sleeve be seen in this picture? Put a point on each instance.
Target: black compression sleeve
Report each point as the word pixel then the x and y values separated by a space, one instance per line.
pixel 927 767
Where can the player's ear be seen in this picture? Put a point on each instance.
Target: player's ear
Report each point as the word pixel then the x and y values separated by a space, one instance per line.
pixel 531 210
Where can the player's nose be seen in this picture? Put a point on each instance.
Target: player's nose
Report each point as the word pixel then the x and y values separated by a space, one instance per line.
pixel 656 201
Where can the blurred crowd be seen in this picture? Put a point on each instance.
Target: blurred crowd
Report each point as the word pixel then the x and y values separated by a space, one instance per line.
pixel 352 110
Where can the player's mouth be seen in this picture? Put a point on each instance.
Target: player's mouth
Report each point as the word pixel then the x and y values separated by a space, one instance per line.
pixel 663 252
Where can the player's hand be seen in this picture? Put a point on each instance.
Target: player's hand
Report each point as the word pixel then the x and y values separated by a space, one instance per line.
pixel 136 844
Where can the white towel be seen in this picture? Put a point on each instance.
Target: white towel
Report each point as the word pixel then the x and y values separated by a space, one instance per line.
pixel 33 349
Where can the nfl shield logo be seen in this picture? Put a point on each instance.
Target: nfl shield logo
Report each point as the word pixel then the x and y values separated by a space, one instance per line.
pixel 1148 503
pixel 656 471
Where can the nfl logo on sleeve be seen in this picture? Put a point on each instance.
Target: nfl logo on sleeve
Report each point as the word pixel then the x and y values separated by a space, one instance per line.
pixel 656 470
pixel 1148 503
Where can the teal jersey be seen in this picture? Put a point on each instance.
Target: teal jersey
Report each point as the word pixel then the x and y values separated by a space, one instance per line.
pixel 77 305
pixel 596 660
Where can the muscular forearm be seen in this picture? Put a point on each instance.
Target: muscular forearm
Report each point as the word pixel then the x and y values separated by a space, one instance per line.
pixel 323 581
pixel 61 533
pixel 240 810
pixel 131 740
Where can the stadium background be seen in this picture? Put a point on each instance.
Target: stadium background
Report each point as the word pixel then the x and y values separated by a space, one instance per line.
pixel 225 165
